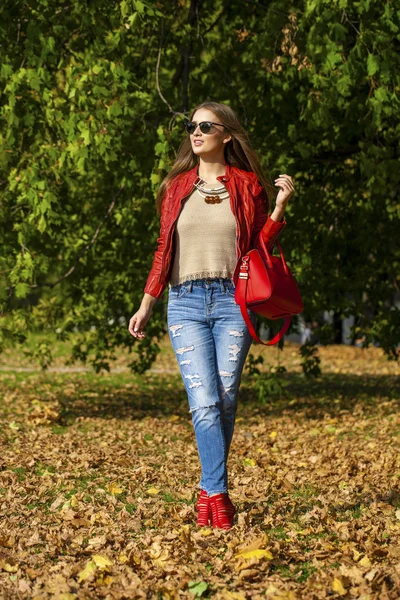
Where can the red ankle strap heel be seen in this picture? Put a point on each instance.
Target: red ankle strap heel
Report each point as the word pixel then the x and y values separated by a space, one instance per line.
pixel 221 511
pixel 204 510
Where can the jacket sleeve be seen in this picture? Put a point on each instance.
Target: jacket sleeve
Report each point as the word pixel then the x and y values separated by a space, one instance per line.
pixel 154 286
pixel 263 224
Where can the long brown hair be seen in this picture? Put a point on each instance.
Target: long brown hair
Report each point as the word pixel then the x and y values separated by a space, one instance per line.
pixel 237 152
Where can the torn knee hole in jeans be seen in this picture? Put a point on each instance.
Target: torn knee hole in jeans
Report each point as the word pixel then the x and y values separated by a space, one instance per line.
pixel 224 389
pixel 226 374
pixel 202 407
pixel 184 349
pixel 185 362
pixel 194 384
pixel 174 329
pixel 234 351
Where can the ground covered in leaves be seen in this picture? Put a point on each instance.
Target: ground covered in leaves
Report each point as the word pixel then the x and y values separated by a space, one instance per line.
pixel 99 476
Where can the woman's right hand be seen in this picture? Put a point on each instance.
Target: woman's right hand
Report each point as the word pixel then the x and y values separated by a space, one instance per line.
pixel 139 320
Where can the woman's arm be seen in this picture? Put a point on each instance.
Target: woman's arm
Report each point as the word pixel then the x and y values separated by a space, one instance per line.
pixel 269 226
pixel 153 286
pixel 278 213
pixel 273 224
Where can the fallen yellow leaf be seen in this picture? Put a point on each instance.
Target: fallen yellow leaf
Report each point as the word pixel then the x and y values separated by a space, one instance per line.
pixel 249 462
pixel 273 435
pixel 232 595
pixel 10 568
pixel 122 558
pixel 104 579
pixel 255 544
pixel 114 488
pixel 185 529
pixel 255 554
pixel 337 586
pixel 356 555
pixel 276 594
pixel 135 558
pixel 102 562
pixel 365 562
pixel 153 491
pixel 304 532
pixel 87 571
pixel 160 562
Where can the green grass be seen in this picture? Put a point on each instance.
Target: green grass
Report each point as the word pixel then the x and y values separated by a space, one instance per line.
pixel 298 571
pixel 307 491
pixel 41 468
pixel 59 429
pixel 277 533
pixel 20 471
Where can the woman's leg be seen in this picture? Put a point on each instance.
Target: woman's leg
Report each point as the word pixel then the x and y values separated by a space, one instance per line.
pixel 232 341
pixel 193 344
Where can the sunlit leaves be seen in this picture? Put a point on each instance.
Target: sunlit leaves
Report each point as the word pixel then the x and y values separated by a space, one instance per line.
pixel 82 116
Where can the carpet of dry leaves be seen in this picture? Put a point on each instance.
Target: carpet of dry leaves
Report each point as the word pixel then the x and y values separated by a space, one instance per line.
pixel 99 475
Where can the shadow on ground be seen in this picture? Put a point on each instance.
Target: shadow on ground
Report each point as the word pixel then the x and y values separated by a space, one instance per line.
pixel 156 396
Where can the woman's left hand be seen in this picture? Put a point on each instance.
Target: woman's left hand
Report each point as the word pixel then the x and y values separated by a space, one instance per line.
pixel 285 182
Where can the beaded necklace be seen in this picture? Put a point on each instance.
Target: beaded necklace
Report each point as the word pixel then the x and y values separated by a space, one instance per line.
pixel 211 196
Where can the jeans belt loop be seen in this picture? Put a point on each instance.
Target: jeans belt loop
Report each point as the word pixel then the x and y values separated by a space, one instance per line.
pixel 221 285
pixel 190 285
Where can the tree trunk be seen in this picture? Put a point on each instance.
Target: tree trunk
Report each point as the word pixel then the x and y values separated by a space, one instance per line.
pixel 337 328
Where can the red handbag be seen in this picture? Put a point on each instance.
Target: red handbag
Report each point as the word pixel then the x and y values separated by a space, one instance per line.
pixel 267 287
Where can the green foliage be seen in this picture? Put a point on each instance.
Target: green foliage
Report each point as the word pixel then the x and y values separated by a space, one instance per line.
pixel 92 98
pixel 42 354
pixel 310 360
pixel 265 384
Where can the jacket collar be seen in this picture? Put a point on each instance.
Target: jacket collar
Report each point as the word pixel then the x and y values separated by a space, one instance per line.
pixel 192 174
pixel 187 178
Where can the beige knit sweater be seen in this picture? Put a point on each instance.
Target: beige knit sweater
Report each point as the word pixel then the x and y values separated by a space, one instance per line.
pixel 204 240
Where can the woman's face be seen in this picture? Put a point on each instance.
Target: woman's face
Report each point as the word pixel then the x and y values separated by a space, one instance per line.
pixel 213 141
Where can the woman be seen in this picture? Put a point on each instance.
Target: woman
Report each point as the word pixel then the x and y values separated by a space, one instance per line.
pixel 213 206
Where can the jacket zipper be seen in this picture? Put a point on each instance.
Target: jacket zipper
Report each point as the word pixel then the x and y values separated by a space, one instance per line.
pixel 237 237
pixel 171 231
pixel 236 220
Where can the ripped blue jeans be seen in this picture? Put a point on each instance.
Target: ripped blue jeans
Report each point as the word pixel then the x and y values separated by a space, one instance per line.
pixel 211 341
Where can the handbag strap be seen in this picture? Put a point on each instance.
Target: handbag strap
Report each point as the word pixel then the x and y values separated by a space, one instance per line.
pixel 276 338
pixel 268 253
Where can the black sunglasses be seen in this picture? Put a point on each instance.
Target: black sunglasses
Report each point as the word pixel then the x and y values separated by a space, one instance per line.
pixel 205 126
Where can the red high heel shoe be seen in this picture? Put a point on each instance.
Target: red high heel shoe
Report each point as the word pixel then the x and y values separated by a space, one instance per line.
pixel 221 511
pixel 204 510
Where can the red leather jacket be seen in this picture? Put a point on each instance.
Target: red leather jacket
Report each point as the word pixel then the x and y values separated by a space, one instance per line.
pixel 247 204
